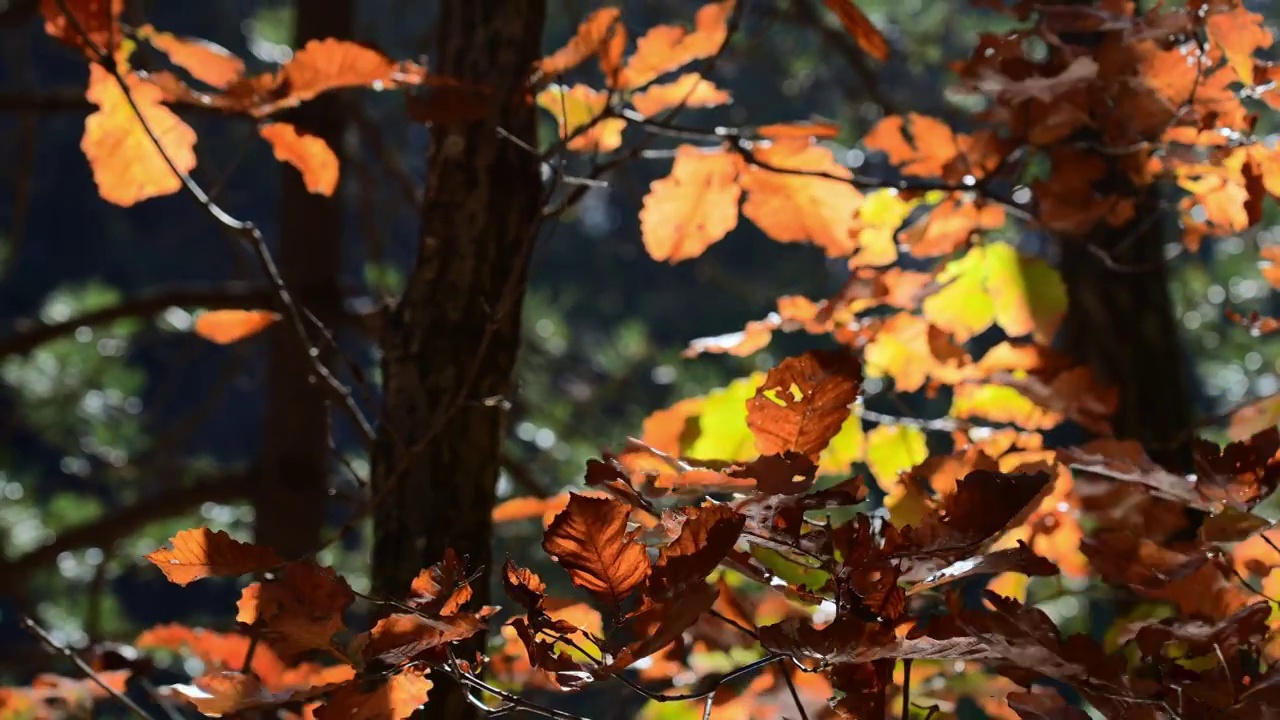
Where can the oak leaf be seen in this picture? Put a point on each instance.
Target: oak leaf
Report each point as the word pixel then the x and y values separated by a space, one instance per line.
pixel 225 327
pixel 803 402
pixel 127 166
pixel 201 553
pixel 692 208
pixel 310 154
pixel 589 540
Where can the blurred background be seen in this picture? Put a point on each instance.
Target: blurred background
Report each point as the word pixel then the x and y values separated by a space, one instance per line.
pixel 113 435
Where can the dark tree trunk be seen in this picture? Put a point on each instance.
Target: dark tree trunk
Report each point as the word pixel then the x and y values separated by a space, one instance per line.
pixel 1121 323
pixel 290 503
pixel 450 343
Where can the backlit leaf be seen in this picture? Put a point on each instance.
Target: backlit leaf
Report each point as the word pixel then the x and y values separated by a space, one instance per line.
pixel 98 20
pixel 577 111
pixel 392 698
pixel 127 166
pixel 229 326
pixel 601 33
pixel 723 432
pixel 1240 34
pixel 993 284
pixel 891 451
pixel 200 553
pixel 855 22
pixel 589 540
pixel 207 62
pixel 299 609
pixel 310 154
pixel 707 534
pixel 811 203
pixel 665 48
pixel 803 402
pixel 693 207
pixel 689 90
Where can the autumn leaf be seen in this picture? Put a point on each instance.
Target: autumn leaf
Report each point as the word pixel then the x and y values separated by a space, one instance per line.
pixel 207 62
pixel 994 284
pixel 891 451
pixel 225 327
pixel 693 207
pixel 94 25
pixel 299 608
pixel 665 48
pixel 201 553
pixel 797 192
pixel 1240 34
pixel 707 534
pixel 218 651
pixel 579 112
pixel 401 637
pixel 855 22
pixel 949 226
pixel 392 698
pixel 689 90
pixel 441 589
pixel 523 585
pixel 723 432
pixel 803 402
pixel 928 150
pixel 601 33
pixel 1020 559
pixel 589 540
pixel 310 154
pixel 127 166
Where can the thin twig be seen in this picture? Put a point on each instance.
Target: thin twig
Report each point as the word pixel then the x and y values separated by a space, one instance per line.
pixel 85 668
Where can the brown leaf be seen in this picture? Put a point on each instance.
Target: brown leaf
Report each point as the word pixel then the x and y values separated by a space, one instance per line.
pixel 401 637
pixel 661 622
pixel 692 208
pixel 589 540
pixel 390 698
pixel 706 536
pixel 442 588
pixel 200 553
pixel 803 402
pixel 300 609
pixel 98 20
pixel 851 640
pixel 309 154
pixel 225 327
pixel 855 22
pixel 1020 559
pixel 127 166
pixel 523 585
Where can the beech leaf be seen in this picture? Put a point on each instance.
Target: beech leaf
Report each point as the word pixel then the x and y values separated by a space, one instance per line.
pixel 201 553
pixel 803 402
pixel 589 540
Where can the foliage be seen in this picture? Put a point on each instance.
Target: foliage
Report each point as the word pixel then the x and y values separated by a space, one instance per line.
pixel 736 535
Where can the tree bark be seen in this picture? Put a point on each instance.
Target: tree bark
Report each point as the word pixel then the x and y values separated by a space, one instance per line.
pixel 289 504
pixel 450 343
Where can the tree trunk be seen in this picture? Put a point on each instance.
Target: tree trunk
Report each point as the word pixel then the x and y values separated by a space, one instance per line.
pixel 1121 323
pixel 290 503
pixel 450 343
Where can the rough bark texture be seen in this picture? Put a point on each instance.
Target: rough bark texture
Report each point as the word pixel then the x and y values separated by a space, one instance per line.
pixel 1121 323
pixel 451 341
pixel 290 502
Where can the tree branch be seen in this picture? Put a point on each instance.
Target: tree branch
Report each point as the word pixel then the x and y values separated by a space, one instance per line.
pixel 26 335
pixel 115 526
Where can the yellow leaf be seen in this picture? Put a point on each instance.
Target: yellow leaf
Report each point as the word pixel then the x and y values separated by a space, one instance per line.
pixel 1001 404
pixel 576 110
pixel 893 450
pixel 228 326
pixel 846 448
pixel 311 155
pixel 693 207
pixel 993 284
pixel 127 166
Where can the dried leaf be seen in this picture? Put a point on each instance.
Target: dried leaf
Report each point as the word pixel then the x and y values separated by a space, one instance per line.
pixel 706 537
pixel 803 402
pixel 855 22
pixel 589 540
pixel 200 553
pixel 299 609
pixel 391 698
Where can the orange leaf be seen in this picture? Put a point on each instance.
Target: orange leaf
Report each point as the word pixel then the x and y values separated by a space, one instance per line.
pixel 947 227
pixel 803 402
pixel 579 114
pixel 329 64
pixel 669 47
pixel 100 25
pixel 688 90
pixel 207 62
pixel 311 155
pixel 589 540
pixel 797 131
pixel 216 650
pixel 127 166
pixel 524 508
pixel 855 23
pixel 931 147
pixel 601 33
pixel 398 638
pixel 812 204
pixel 393 699
pixel 693 207
pixel 1270 255
pixel 200 553
pixel 228 326
pixel 1240 34
pixel 300 609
